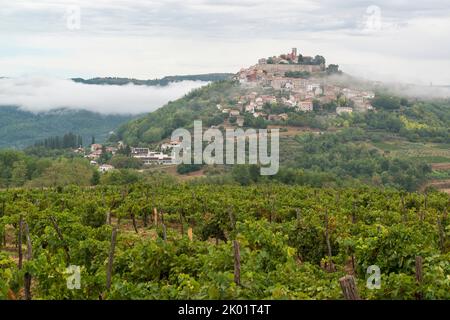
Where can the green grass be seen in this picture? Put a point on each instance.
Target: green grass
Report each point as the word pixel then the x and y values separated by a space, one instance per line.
pixel 440 175
pixel 433 159
pixel 385 146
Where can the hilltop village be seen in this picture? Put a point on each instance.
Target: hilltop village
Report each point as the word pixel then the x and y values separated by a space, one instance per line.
pixel 272 91
pixel 300 83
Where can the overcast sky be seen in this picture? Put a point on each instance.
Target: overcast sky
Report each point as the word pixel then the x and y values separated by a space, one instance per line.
pixel 380 39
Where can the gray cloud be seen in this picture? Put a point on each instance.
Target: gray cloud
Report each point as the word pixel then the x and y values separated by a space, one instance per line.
pixel 43 94
pixel 224 17
pixel 145 39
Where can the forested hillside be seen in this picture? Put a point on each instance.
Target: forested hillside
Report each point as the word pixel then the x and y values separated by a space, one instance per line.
pixel 19 128
pixel 351 148
pixel 199 104
pixel 178 241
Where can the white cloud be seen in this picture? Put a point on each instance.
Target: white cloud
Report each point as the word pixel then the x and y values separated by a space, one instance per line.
pixel 39 94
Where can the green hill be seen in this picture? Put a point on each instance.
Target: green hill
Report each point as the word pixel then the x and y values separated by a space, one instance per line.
pixel 199 104
pixel 376 148
pixel 19 128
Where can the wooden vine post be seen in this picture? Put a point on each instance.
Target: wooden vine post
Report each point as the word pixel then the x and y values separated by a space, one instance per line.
pixel 327 238
pixel 161 213
pixel 111 258
pixel 61 238
pixel 133 219
pixel 155 217
pixel 19 242
pixel 298 215
pixel 181 223
pixel 237 263
pixel 2 213
pixel 27 277
pixel 190 234
pixel 354 213
pixel 404 216
pixel 145 217
pixel 232 218
pixel 348 287
pixel 272 209
pixel 108 217
pixel 441 235
pixel 419 276
pixel 164 232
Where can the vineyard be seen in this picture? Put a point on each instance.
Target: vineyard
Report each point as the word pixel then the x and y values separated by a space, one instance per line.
pixel 201 241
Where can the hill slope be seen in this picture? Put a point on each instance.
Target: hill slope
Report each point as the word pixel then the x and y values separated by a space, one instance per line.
pixel 19 128
pixel 365 147
pixel 200 104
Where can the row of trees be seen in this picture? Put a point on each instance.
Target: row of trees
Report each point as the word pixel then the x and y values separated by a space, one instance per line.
pixel 317 60
pixel 416 121
pixel 68 140
pixel 18 169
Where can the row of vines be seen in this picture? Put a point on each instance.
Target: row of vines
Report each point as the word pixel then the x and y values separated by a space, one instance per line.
pixel 178 241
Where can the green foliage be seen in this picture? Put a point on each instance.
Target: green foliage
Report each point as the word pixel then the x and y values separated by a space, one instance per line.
pixel 16 168
pixel 200 104
pixel 95 180
pixel 386 102
pixel 120 177
pixel 333 69
pixel 187 168
pixel 64 172
pixel 329 158
pixel 420 121
pixel 246 174
pixel 67 141
pixel 20 129
pixel 120 161
pixel 281 231
pixel 92 215
pixel 298 74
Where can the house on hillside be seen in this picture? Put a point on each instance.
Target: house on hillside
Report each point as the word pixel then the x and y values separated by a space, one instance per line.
pixel 112 150
pixel 151 157
pixel 170 145
pixel 259 115
pixel 94 155
pixel 95 147
pixel 341 110
pixel 305 106
pixel 278 117
pixel 139 151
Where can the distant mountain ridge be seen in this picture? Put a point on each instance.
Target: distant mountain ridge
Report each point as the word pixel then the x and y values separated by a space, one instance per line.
pixel 20 128
pixel 209 77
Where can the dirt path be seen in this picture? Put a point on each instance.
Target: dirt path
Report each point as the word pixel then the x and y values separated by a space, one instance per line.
pixel 441 185
pixel 441 166
pixel 293 131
